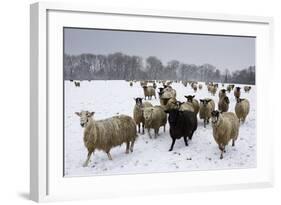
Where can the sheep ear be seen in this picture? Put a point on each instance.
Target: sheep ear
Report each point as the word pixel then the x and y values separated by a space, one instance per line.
pixel 78 113
pixel 90 114
pixel 201 100
pixel 193 96
pixel 186 96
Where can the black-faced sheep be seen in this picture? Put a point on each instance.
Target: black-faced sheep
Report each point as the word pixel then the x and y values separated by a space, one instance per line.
pixel 149 91
pixel 223 104
pixel 182 124
pixel 154 118
pixel 206 108
pixel 230 87
pixel 138 112
pixel 247 89
pixel 108 133
pixel 195 103
pixel 242 109
pixel 225 128
pixel 77 83
pixel 237 92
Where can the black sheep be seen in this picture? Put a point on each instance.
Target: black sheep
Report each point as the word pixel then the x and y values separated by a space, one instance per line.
pixel 182 124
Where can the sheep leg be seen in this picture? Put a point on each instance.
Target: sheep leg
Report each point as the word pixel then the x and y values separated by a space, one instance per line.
pixel 156 132
pixel 148 130
pixel 222 149
pixel 132 145
pixel 172 145
pixel 185 140
pixel 221 157
pixel 233 142
pixel 139 127
pixel 204 123
pixel 88 159
pixel 109 155
pixel 164 128
pixel 127 147
pixel 143 128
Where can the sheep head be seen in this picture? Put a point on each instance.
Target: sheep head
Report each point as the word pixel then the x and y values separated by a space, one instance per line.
pixel 215 117
pixel 84 117
pixel 205 101
pixel 189 98
pixel 138 101
pixel 147 113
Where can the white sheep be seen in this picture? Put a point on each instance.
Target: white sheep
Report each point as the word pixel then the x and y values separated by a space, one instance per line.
pixel 225 128
pixel 242 109
pixel 138 112
pixel 149 91
pixel 106 134
pixel 223 104
pixel 154 118
pixel 195 103
pixel 206 107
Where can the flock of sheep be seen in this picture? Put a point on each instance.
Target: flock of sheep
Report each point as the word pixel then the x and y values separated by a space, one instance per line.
pixel 181 116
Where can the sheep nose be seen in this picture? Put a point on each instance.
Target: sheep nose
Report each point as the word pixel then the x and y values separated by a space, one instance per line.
pixel 82 124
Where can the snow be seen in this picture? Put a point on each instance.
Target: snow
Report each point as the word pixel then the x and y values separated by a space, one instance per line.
pixel 109 98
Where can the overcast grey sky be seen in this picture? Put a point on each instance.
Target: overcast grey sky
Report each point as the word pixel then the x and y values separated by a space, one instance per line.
pixel 234 53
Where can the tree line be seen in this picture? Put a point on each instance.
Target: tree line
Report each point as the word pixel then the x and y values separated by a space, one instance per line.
pixel 119 66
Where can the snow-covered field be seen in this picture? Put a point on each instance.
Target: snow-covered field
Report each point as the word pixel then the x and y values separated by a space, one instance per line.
pixel 108 98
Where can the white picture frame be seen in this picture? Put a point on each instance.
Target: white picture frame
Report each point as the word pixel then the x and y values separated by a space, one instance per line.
pixel 46 179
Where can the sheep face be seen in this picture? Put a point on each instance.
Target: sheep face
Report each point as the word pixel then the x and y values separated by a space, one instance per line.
pixel 84 117
pixel 160 94
pixel 177 104
pixel 223 91
pixel 147 114
pixel 215 117
pixel 138 101
pixel 189 98
pixel 205 101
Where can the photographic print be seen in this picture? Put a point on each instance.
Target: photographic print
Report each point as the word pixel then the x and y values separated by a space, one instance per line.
pixel 150 102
